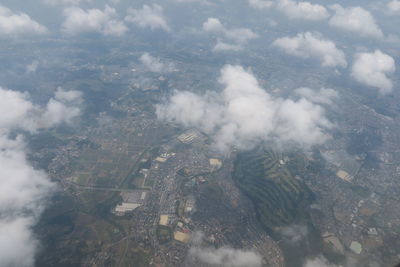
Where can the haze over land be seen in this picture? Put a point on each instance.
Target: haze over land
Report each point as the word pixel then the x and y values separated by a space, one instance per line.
pixel 199 133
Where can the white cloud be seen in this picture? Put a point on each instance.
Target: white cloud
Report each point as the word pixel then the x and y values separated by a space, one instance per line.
pixel 323 96
pixel 372 69
pixel 18 112
pixel 17 24
pixel 260 4
pixel 239 36
pixel 204 2
pixel 302 10
pixel 23 189
pixel 224 256
pixel 17 244
pixel 15 110
pixel 319 261
pixel 79 21
pixel 65 2
pixel 356 20
pixel 311 45
pixel 393 7
pixel 57 111
pixel 63 108
pixel 155 65
pixel 31 68
pixel 71 96
pixel 222 46
pixel 150 16
pixel 213 25
pixel 243 114
pixel 294 233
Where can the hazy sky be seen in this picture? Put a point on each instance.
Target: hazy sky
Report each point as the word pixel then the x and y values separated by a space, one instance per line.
pixel 356 40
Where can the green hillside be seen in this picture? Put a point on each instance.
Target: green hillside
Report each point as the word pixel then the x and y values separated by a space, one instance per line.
pixel 279 198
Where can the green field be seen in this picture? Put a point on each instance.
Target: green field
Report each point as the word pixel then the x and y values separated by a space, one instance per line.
pixel 278 197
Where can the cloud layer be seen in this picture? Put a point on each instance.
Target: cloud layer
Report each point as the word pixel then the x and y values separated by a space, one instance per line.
pixel 319 261
pixel 238 36
pixel 243 114
pixel 23 189
pixel 154 64
pixel 79 21
pixel 260 4
pixel 323 96
pixel 64 107
pixel 150 16
pixel 372 69
pixel 224 256
pixel 310 45
pixel 65 2
pixel 302 10
pixel 203 2
pixel 355 20
pixel 393 7
pixel 17 24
